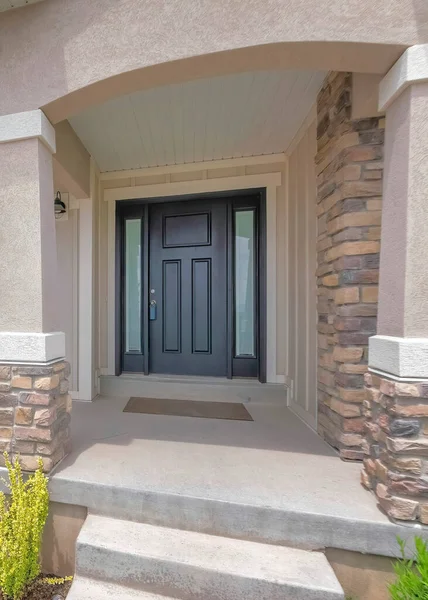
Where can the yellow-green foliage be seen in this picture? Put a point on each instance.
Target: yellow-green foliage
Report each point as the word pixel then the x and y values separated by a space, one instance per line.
pixel 22 519
pixel 57 580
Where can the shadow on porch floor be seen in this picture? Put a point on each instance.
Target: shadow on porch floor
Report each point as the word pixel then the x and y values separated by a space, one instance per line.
pixel 275 475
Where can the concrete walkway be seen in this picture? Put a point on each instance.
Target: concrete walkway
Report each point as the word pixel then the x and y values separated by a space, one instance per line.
pixel 271 480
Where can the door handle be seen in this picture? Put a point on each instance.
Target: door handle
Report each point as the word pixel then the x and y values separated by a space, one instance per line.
pixel 153 310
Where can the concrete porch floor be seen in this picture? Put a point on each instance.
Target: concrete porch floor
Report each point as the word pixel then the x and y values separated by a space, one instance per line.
pixel 271 480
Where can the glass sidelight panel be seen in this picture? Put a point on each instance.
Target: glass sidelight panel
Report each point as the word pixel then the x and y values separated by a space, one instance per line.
pixel 244 229
pixel 133 285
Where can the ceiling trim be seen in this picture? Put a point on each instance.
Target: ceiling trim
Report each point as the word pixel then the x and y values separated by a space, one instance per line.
pixel 225 184
pixel 223 163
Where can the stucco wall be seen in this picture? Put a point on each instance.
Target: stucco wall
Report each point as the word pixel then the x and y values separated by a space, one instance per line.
pixel 71 161
pixel 28 267
pixel 301 279
pixel 53 50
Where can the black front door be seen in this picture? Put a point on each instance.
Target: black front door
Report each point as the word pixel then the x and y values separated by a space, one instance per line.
pixel 188 287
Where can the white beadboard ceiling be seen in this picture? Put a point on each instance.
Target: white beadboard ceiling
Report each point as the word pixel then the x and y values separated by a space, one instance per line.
pixel 248 114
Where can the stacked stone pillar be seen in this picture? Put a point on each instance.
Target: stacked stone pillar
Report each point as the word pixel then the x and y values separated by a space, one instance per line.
pixel 349 166
pixel 34 402
pixel 396 406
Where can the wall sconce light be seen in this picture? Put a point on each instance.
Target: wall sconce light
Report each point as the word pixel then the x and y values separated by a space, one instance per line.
pixel 59 206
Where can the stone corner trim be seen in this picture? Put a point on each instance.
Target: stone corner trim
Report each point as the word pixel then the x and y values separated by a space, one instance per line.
pixel 411 67
pixel 349 168
pixel 396 446
pixel 17 347
pixel 402 357
pixel 35 410
pixel 27 125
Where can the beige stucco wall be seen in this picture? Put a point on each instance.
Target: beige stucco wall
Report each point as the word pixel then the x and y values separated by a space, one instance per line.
pixel 71 162
pixel 66 54
pixel 365 95
pixel 195 176
pixel 27 235
pixel 403 309
pixel 301 280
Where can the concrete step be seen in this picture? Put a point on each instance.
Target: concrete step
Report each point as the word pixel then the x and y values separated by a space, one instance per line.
pixel 198 566
pixel 310 529
pixel 91 589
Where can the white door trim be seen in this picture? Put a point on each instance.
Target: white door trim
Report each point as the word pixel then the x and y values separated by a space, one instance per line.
pixel 270 181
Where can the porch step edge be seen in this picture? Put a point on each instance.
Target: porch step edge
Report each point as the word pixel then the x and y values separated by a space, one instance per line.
pixel 187 564
pixel 91 589
pixel 265 524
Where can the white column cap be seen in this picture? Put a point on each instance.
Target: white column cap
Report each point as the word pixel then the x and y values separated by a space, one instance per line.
pixel 27 125
pixel 411 67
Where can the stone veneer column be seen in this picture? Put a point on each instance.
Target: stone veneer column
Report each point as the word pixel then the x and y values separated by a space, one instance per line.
pixel 34 402
pixel 396 446
pixel 349 169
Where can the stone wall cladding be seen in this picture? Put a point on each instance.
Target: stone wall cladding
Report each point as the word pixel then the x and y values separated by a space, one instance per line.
pixel 396 446
pixel 349 182
pixel 35 410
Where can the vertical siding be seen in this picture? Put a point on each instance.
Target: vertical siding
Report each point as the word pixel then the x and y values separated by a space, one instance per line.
pixel 301 227
pixel 67 256
pixel 95 275
pixel 292 270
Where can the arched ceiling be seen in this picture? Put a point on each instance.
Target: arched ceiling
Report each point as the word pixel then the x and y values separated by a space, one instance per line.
pixel 223 117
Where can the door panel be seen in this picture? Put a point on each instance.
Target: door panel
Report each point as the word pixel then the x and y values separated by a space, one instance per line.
pixel 171 305
pixel 201 305
pixel 188 283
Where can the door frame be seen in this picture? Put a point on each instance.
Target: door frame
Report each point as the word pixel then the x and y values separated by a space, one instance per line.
pixel 237 200
pixel 269 181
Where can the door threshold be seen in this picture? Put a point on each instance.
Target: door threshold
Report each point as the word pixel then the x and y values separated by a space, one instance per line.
pixel 165 378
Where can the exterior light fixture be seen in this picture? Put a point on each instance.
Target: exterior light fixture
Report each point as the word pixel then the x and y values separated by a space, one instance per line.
pixel 59 206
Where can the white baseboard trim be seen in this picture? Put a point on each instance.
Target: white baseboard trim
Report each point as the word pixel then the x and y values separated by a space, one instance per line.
pixel 303 415
pixel 280 379
pixel 17 347
pixel 402 357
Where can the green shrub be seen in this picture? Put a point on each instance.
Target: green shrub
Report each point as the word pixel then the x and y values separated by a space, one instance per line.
pixel 22 519
pixel 412 574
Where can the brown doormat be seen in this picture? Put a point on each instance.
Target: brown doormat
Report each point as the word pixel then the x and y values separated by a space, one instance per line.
pixel 188 408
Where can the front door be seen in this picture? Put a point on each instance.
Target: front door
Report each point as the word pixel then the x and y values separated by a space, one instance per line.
pixel 188 287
